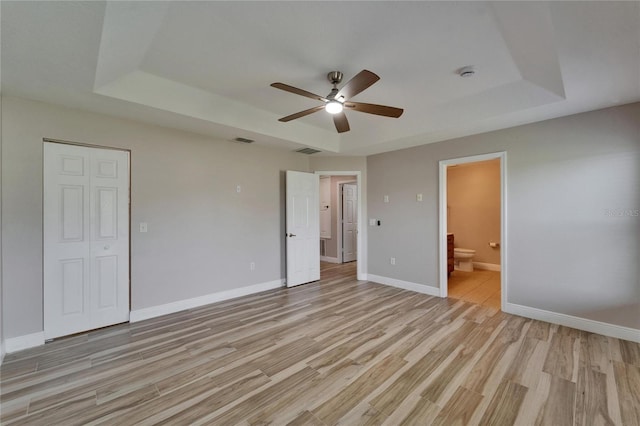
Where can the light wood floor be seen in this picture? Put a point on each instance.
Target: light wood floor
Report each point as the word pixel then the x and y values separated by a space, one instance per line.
pixel 481 287
pixel 334 352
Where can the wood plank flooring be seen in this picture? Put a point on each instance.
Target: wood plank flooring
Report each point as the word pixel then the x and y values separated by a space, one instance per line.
pixel 339 351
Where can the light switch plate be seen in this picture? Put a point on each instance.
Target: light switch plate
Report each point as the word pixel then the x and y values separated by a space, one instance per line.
pixel 144 227
pixel 386 198
pixel 372 222
pixel 419 197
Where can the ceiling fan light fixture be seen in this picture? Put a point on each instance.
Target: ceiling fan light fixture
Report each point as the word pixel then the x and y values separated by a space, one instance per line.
pixel 333 107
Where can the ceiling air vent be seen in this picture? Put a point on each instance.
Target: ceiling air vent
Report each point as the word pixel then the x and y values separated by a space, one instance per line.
pixel 244 140
pixel 307 151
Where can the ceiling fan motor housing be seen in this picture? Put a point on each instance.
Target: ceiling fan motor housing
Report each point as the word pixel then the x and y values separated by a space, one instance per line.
pixel 335 77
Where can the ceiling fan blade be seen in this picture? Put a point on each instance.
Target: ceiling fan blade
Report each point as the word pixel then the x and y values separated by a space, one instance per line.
pixel 384 110
pixel 301 114
pixel 297 91
pixel 341 122
pixel 357 84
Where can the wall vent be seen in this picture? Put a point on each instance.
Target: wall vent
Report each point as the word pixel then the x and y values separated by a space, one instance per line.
pixel 307 151
pixel 244 140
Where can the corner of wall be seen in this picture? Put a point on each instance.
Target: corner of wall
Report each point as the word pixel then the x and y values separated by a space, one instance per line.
pixel 599 327
pixel 27 341
pixel 405 285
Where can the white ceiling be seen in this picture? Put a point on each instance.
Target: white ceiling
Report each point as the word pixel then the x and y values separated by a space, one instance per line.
pixel 206 67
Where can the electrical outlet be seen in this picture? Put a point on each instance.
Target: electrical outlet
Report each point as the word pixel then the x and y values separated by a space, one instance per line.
pixel 372 222
pixel 252 266
pixel 392 260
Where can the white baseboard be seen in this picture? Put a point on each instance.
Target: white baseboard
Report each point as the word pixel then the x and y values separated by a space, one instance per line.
pixel 620 332
pixel 15 344
pixel 181 305
pixel 405 285
pixel 329 259
pixel 486 266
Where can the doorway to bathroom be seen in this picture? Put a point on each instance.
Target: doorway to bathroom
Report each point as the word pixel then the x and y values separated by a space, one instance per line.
pixel 472 229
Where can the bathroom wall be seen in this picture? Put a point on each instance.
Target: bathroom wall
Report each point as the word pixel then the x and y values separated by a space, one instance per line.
pixel 473 205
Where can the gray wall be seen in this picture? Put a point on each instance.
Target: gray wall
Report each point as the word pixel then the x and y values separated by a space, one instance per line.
pixel 566 254
pixel 202 234
pixel 573 185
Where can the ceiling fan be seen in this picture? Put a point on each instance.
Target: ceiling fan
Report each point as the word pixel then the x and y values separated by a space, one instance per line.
pixel 338 100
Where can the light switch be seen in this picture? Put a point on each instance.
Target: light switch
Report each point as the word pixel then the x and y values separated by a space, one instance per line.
pixel 238 189
pixel 386 198
pixel 372 222
pixel 143 227
pixel 419 197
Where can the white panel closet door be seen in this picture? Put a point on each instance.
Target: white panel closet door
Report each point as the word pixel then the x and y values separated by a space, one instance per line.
pixel 349 222
pixel 86 238
pixel 302 228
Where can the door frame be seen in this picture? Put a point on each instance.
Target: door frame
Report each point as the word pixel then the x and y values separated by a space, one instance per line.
pixel 361 275
pixel 87 145
pixel 442 206
pixel 340 234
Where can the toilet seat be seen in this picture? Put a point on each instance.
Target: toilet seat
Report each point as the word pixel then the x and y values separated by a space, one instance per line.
pixel 463 250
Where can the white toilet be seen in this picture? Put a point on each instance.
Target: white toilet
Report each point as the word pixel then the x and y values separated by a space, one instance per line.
pixel 463 259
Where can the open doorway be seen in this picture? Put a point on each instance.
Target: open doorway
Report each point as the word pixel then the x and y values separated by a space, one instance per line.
pixel 472 224
pixel 340 206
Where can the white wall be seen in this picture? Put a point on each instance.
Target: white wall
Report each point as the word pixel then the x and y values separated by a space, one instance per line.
pixel 202 234
pixel 566 255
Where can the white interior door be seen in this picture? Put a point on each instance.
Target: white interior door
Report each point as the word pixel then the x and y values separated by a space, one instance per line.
pixel 349 222
pixel 86 238
pixel 302 228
